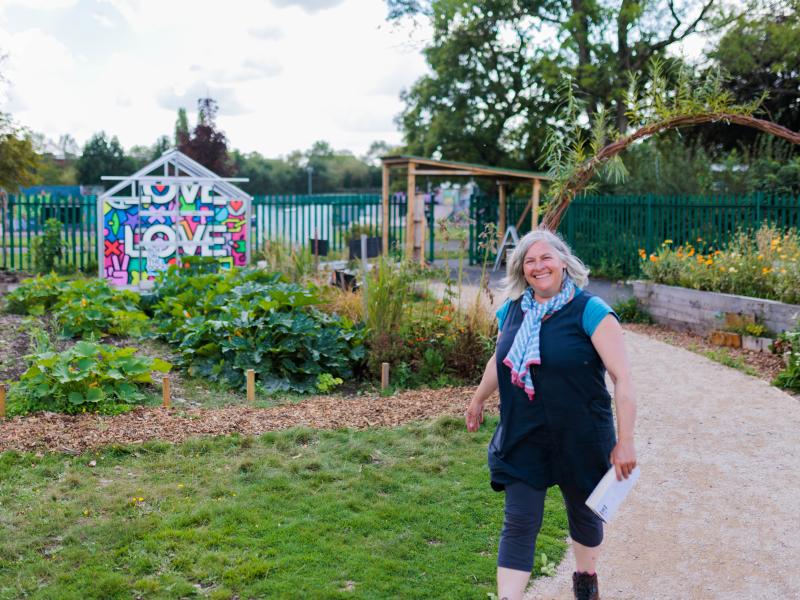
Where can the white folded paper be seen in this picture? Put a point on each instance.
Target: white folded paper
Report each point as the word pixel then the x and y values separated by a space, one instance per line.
pixel 609 493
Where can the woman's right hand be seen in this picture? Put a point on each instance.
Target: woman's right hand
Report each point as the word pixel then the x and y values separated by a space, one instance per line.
pixel 474 415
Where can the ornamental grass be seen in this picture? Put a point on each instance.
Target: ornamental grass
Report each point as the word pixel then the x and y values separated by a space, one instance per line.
pixel 760 264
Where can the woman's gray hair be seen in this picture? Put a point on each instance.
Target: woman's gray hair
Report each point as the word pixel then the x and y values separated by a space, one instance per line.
pixel 514 283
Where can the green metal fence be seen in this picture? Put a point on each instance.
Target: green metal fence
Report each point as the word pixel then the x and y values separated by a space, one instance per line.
pixel 334 218
pixel 608 231
pixel 22 220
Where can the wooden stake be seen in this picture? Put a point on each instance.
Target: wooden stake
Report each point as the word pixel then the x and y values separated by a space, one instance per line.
pixel 165 391
pixel 2 402
pixel 251 385
pixel 384 376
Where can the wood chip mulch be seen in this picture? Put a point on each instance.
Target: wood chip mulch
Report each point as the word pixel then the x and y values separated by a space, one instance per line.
pixel 76 434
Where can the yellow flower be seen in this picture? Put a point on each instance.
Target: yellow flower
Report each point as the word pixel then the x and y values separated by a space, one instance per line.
pixel 84 302
pixel 765 270
pixel 709 261
pixel 691 251
pixel 653 258
pixel 186 314
pixel 667 242
pixel 760 257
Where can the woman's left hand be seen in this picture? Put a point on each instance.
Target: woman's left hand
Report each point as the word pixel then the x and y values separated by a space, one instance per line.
pixel 623 457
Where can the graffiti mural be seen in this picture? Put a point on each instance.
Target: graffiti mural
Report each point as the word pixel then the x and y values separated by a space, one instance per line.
pixel 145 233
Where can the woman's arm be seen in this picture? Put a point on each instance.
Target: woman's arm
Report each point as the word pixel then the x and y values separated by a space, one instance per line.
pixel 610 345
pixel 487 386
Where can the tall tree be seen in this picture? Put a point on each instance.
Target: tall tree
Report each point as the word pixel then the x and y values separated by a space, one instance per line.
pixel 102 156
pixel 181 128
pixel 498 67
pixel 761 54
pixel 206 144
pixel 18 159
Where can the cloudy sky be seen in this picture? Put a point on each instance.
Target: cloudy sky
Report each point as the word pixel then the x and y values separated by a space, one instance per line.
pixel 285 72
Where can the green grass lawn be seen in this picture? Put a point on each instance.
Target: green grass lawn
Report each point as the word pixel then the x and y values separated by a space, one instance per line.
pixel 382 513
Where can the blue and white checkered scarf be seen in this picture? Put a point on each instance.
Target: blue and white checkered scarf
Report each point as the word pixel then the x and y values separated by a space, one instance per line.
pixel 525 349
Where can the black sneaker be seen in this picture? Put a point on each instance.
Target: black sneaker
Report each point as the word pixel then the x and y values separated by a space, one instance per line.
pixel 584 586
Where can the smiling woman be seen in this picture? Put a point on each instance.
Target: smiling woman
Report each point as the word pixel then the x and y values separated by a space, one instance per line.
pixel 556 425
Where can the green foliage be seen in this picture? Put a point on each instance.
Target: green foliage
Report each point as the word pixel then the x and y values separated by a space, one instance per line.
pixel 102 155
pixel 724 357
pixel 390 291
pixel 327 382
pixel 225 323
pixel 435 345
pixel 87 308
pixel 47 247
pixel 761 264
pixel 294 263
pixel 630 311
pixel 670 93
pixel 87 377
pixel 36 295
pixel 788 344
pixel 18 158
pixel 90 308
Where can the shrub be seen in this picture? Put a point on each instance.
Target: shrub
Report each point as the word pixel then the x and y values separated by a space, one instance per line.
pixel 763 264
pixel 630 311
pixel 47 248
pixel 88 377
pixel 788 343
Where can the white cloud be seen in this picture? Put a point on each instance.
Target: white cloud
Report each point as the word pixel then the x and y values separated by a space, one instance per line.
pixel 40 4
pixel 266 32
pixel 103 20
pixel 164 55
pixel 308 5
pixel 226 97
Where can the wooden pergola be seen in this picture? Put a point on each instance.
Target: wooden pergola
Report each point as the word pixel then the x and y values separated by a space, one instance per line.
pixel 417 165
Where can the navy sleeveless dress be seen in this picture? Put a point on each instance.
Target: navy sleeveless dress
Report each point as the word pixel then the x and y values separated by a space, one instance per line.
pixel 566 433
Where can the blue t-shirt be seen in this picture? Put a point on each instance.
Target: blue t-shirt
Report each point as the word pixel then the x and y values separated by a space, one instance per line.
pixel 595 311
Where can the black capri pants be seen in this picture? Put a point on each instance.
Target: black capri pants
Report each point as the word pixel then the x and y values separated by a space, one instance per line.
pixel 523 519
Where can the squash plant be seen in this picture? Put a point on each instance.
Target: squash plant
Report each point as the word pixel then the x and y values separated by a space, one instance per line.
pixel 225 323
pixel 88 377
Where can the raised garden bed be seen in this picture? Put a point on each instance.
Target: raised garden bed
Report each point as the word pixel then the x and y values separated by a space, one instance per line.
pixel 702 312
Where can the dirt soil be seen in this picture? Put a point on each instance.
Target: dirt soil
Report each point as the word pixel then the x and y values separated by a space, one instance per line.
pixel 714 514
pixel 75 434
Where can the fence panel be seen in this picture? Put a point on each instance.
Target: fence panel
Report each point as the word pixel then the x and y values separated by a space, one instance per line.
pixel 608 231
pixel 297 219
pixel 22 221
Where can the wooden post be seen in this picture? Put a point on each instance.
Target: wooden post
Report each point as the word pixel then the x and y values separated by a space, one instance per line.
pixel 2 402
pixel 251 385
pixel 384 376
pixel 537 187
pixel 423 225
pixel 385 223
pixel 501 217
pixel 410 225
pixel 165 392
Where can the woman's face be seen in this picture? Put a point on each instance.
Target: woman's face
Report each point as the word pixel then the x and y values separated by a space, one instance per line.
pixel 543 269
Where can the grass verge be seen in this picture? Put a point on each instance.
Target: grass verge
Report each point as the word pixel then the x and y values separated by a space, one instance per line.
pixel 381 513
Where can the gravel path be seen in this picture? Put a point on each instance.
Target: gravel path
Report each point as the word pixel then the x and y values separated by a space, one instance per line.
pixel 715 512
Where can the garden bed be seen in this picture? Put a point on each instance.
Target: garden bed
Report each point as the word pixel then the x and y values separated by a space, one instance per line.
pixel 53 432
pixel 702 312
